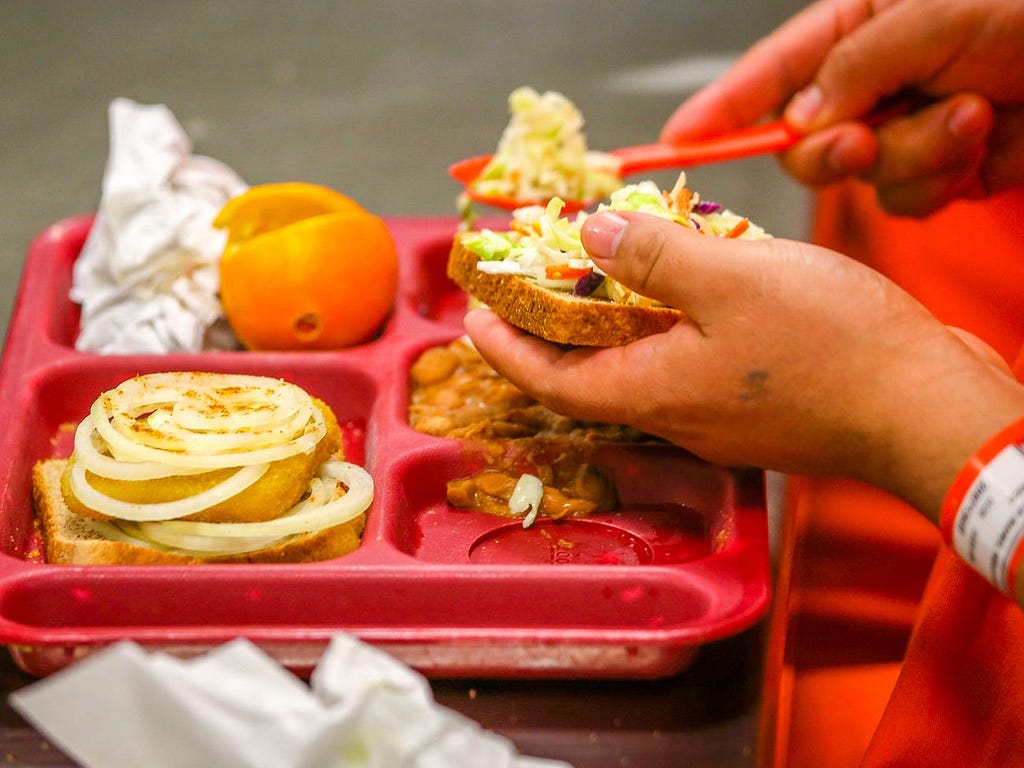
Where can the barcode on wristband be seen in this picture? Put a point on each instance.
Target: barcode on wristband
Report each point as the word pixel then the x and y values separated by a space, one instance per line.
pixel 989 525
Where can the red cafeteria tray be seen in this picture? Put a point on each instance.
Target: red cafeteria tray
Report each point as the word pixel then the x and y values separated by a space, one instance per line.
pixel 632 593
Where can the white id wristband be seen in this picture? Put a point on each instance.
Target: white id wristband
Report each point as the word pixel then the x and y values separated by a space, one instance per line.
pixel 983 513
pixel 989 526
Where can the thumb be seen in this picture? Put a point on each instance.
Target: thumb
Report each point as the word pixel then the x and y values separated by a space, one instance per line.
pixel 670 263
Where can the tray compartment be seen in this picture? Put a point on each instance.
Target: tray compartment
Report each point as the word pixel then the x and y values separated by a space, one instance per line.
pixel 60 247
pixel 57 397
pixel 426 290
pixel 672 509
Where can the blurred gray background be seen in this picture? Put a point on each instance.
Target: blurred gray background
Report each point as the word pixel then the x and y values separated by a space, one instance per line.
pixel 374 98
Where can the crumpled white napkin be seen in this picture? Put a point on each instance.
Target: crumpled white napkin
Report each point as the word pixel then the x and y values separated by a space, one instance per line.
pixel 147 276
pixel 235 707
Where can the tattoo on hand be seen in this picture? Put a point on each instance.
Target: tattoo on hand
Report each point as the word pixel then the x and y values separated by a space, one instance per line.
pixel 755 385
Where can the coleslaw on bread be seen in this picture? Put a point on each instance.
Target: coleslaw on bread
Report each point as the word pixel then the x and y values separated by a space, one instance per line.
pixel 537 275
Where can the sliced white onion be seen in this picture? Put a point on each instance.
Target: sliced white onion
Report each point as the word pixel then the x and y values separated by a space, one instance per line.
pixel 116 531
pixel 88 452
pixel 124 448
pixel 200 391
pixel 323 509
pixel 286 403
pixel 109 529
pixel 207 420
pixel 204 546
pixel 169 432
pixel 164 510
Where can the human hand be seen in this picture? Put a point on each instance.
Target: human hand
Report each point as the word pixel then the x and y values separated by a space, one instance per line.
pixel 834 61
pixel 794 358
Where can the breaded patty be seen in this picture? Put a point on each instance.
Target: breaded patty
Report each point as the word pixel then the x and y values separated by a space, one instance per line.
pixel 279 489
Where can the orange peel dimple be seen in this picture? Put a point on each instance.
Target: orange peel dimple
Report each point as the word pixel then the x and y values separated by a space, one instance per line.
pixel 307 327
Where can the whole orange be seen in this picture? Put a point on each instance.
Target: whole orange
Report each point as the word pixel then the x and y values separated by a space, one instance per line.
pixel 322 282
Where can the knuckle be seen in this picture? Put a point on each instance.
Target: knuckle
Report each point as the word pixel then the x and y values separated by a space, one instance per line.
pixel 659 252
pixel 650 253
pixel 916 152
pixel 809 166
pixel 844 61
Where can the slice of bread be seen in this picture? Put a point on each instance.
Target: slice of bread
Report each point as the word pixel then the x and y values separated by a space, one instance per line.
pixel 71 539
pixel 556 315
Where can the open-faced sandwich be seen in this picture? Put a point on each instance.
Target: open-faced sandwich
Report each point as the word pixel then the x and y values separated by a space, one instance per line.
pixel 202 467
pixel 538 277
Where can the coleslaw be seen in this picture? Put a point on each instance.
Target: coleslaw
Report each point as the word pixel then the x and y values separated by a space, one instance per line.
pixel 543 153
pixel 545 248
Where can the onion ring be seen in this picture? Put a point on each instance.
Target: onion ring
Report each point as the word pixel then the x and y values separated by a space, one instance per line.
pixel 248 420
pixel 324 509
pixel 163 510
pixel 88 452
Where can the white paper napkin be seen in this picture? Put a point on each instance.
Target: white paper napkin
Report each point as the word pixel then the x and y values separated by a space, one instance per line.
pixel 147 276
pixel 236 707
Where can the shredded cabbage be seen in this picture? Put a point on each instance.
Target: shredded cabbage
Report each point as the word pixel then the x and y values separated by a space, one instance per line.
pixel 543 153
pixel 489 245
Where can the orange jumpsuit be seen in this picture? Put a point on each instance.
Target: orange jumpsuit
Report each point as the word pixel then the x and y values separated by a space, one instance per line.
pixel 885 649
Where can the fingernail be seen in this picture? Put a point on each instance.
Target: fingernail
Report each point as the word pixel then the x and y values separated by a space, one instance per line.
pixel 967 121
pixel 602 233
pixel 805 106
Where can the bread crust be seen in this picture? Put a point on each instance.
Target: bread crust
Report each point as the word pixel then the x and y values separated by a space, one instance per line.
pixel 71 539
pixel 555 315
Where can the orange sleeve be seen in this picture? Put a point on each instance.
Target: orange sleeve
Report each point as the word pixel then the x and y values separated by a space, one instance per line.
pixel 947 687
pixel 965 263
